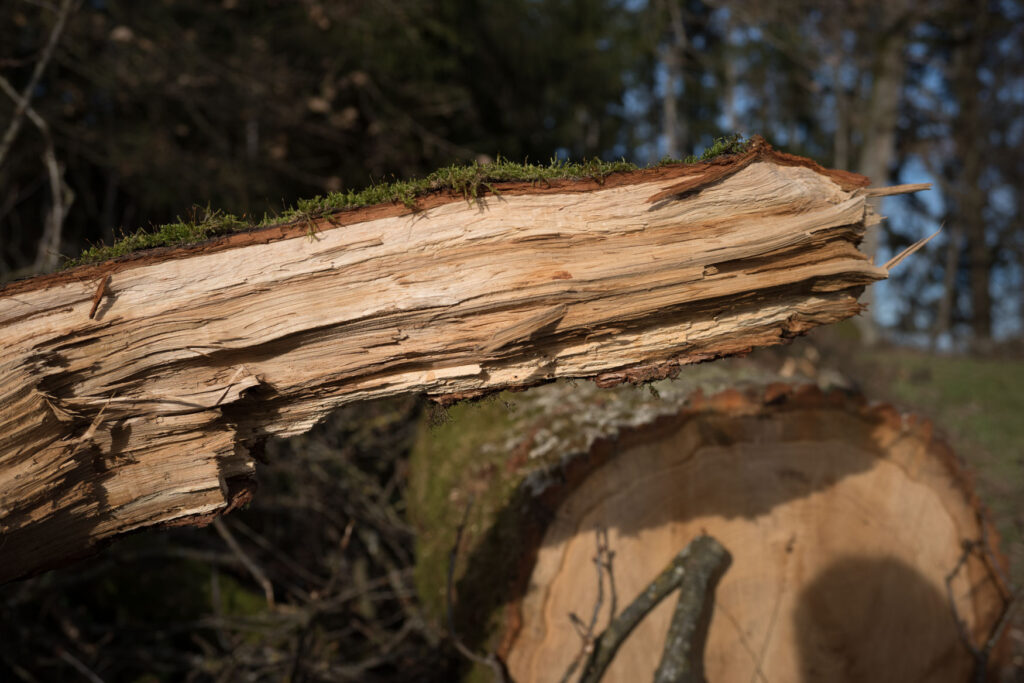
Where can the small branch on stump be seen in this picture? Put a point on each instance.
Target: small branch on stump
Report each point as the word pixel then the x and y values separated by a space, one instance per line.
pixel 683 659
pixel 695 570
pixel 603 561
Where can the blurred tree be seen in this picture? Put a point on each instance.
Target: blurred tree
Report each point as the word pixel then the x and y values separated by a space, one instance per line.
pixel 963 123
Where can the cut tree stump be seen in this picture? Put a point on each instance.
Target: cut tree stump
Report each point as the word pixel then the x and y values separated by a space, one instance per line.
pixel 843 520
pixel 134 392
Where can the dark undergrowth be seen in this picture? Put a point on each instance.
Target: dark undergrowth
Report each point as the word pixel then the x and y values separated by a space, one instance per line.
pixel 326 536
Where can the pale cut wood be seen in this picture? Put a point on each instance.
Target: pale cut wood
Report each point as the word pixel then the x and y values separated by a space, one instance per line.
pixel 844 522
pixel 133 393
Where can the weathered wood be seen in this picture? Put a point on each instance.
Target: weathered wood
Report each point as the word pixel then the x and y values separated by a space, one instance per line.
pixel 145 410
pixel 856 539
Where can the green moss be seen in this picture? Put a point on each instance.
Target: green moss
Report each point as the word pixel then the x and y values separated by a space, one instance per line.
pixel 456 464
pixel 210 224
pixel 730 144
pixel 445 461
pixel 467 180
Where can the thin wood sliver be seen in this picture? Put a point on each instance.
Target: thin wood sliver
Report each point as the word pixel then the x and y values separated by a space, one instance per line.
pixel 98 296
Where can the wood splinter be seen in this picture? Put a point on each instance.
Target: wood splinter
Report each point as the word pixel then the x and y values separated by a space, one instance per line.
pixel 98 296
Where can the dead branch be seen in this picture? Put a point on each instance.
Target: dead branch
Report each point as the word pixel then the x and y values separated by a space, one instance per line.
pixel 211 349
pixel 696 570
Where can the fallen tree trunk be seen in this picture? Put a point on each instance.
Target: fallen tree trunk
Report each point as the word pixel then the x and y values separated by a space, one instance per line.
pixel 133 392
pixel 859 550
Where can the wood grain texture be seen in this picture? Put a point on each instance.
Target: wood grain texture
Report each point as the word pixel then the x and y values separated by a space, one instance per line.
pixel 843 527
pixel 147 412
pixel 843 519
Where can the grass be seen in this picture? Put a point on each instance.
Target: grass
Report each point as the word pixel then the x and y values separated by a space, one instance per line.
pixel 978 400
pixel 466 180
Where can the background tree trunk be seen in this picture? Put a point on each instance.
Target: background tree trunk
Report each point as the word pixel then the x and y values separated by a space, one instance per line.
pixel 973 196
pixel 676 128
pixel 881 116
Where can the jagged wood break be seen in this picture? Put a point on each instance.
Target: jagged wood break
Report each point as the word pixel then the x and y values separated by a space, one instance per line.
pixel 145 410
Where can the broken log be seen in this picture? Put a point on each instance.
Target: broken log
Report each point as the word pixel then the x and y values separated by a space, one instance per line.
pixel 859 550
pixel 135 392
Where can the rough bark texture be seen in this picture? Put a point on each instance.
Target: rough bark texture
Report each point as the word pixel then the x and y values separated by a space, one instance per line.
pixel 843 519
pixel 146 409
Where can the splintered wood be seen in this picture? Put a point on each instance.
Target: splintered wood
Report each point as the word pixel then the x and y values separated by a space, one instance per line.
pixel 131 393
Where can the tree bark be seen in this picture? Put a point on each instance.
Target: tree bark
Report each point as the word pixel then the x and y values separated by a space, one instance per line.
pixel 135 392
pixel 859 550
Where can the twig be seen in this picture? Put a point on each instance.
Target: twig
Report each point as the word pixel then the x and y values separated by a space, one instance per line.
pixel 22 100
pixel 599 565
pixel 22 673
pixel 694 564
pixel 77 664
pixel 247 562
pixel 996 634
pixel 491 660
pixel 896 189
pixel 603 562
pixel 281 557
pixel 1013 595
pixel 604 548
pixel 1013 598
pixel 980 655
pixel 683 657
pixel 961 628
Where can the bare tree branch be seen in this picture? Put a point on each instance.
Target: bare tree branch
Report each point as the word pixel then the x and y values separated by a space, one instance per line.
pixel 61 196
pixel 21 103
pixel 700 563
pixel 257 573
